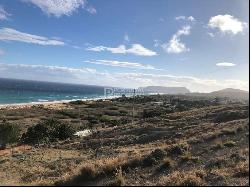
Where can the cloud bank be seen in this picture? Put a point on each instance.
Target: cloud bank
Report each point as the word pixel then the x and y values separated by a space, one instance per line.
pixel 136 49
pixel 114 63
pixel 94 77
pixel 60 8
pixel 9 34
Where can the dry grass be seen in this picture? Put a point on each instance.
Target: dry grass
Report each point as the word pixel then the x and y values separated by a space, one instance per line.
pixel 242 169
pixel 168 163
pixel 187 156
pixel 183 178
pixel 119 179
pixel 90 171
pixel 177 146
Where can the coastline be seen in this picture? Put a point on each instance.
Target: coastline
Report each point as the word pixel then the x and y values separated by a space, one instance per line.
pixel 50 103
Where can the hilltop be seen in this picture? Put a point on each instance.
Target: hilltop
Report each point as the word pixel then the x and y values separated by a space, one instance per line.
pixel 231 93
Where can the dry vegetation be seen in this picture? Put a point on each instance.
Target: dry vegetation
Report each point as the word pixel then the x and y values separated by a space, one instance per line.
pixel 173 140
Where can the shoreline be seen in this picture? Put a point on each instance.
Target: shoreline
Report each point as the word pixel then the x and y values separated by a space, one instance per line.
pixel 48 103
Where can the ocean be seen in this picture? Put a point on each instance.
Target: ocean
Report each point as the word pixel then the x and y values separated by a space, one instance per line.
pixel 23 91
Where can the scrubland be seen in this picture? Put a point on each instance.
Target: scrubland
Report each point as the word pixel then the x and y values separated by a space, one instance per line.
pixel 167 140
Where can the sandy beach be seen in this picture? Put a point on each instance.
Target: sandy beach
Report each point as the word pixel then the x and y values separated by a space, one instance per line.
pixel 49 104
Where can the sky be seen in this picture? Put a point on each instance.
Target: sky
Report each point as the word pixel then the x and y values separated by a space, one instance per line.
pixel 202 45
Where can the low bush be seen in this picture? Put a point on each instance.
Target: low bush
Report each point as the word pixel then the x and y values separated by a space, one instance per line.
pixel 48 131
pixel 9 133
pixel 123 112
pixel 215 163
pixel 77 102
pixel 229 143
pixel 69 113
pixel 150 113
pixel 105 119
pixel 109 120
pixel 112 112
pixel 167 164
pixel 178 149
pixel 154 157
pixel 230 116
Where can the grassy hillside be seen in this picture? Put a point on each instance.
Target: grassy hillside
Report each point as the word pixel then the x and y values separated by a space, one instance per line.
pixel 172 140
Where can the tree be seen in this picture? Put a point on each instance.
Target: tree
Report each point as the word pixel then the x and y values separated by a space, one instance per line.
pixel 9 133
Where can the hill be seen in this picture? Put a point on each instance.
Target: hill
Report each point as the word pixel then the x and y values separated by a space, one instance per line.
pixel 165 90
pixel 185 141
pixel 231 93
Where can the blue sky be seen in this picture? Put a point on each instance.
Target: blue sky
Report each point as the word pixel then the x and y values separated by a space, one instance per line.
pixel 202 45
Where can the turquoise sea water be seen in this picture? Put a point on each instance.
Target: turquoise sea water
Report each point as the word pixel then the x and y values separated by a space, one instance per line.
pixel 22 91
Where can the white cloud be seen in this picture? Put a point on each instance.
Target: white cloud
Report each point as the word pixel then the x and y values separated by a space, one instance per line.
pixel 225 64
pixel 189 18
pixel 227 24
pixel 94 77
pixel 3 14
pixel 180 18
pixel 175 45
pixel 136 49
pixel 184 31
pixel 8 34
pixel 119 49
pixel 60 8
pixel 91 10
pixel 132 65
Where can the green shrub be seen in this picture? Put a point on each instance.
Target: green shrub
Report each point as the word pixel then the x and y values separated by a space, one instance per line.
pixel 230 116
pixel 9 133
pixel 92 119
pixel 69 113
pixel 113 108
pixel 105 119
pixel 48 131
pixel 112 113
pixel 181 107
pixel 150 113
pixel 123 112
pixel 77 102
pixel 229 143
